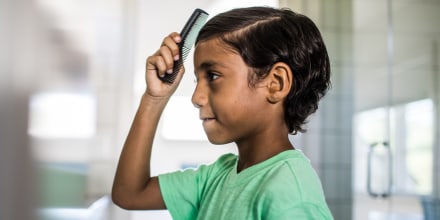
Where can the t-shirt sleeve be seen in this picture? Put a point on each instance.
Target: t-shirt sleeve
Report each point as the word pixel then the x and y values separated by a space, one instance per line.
pixel 301 199
pixel 180 193
pixel 182 190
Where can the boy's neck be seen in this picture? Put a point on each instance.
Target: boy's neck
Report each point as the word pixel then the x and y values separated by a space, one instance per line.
pixel 258 151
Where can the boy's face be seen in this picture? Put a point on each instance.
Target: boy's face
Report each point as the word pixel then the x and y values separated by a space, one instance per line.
pixel 231 110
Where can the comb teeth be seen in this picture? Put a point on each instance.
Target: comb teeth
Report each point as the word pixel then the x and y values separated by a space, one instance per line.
pixel 189 34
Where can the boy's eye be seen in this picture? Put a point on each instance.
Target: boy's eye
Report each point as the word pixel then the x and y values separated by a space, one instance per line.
pixel 212 76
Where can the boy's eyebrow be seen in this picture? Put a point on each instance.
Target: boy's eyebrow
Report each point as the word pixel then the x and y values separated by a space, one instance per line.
pixel 208 64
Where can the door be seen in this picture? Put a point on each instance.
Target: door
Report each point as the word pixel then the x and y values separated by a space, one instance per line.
pixel 393 173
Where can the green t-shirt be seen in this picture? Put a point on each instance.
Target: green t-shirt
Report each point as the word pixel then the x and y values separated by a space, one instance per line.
pixel 283 187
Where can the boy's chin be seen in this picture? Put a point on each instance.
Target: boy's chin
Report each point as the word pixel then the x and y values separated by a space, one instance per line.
pixel 217 141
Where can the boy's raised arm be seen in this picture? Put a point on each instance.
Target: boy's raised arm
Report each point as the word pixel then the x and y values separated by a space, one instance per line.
pixel 133 186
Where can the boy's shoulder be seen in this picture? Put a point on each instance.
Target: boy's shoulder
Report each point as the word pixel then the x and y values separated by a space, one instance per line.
pixel 227 158
pixel 294 176
pixel 225 161
pixel 298 168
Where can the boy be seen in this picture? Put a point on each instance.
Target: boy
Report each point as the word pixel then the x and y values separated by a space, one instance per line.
pixel 260 73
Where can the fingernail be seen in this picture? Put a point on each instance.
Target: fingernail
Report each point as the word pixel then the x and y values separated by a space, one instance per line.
pixel 176 58
pixel 169 71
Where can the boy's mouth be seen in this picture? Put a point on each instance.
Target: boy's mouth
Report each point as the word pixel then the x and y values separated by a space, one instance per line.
pixel 207 119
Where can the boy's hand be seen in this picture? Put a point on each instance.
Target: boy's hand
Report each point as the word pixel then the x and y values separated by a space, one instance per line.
pixel 161 63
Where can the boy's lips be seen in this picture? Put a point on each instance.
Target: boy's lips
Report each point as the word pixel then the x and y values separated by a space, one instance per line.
pixel 206 119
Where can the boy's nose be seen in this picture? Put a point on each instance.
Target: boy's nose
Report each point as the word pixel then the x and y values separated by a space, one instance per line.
pixel 199 97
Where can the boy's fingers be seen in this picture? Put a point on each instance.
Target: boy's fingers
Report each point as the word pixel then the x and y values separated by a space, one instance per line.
pixel 176 37
pixel 162 62
pixel 171 43
pixel 169 51
pixel 167 56
pixel 156 64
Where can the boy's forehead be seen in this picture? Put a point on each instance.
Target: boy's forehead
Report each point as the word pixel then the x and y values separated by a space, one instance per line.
pixel 212 44
pixel 211 52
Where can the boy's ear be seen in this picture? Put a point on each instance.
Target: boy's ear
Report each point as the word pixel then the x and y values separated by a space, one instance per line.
pixel 279 82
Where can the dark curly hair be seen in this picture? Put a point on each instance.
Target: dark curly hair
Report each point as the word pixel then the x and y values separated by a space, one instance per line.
pixel 264 36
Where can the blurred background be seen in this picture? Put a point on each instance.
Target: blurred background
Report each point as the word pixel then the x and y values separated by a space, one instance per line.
pixel 71 77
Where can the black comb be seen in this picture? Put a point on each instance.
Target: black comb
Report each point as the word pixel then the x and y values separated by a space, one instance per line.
pixel 189 34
